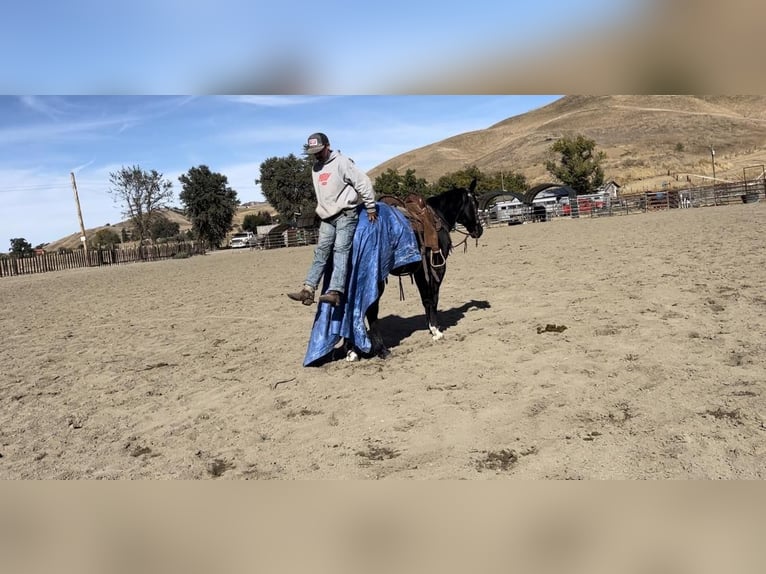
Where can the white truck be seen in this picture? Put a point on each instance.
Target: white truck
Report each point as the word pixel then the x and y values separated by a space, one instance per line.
pixel 243 239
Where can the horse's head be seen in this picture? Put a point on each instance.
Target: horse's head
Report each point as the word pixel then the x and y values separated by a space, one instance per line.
pixel 468 216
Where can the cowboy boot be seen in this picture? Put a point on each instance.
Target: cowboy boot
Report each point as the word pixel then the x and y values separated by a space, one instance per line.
pixel 331 297
pixel 305 295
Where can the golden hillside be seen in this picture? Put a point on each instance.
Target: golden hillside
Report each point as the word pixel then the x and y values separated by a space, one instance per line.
pixel 647 140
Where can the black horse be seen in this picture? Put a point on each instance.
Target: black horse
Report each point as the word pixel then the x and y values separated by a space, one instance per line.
pixel 539 213
pixel 458 205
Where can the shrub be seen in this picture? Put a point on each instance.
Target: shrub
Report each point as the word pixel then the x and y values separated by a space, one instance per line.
pixel 107 237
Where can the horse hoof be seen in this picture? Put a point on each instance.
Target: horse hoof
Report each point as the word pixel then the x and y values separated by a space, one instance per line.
pixel 384 353
pixel 351 356
pixel 437 335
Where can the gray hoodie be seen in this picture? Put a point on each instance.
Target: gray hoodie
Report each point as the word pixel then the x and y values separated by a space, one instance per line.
pixel 339 184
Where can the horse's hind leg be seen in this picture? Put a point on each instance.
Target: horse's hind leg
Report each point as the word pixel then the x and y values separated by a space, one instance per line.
pixel 351 356
pixel 378 346
pixel 376 338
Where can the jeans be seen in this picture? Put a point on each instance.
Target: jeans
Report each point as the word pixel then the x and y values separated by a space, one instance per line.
pixel 336 235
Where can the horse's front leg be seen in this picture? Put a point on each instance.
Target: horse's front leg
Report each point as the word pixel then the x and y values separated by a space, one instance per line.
pixel 378 345
pixel 429 296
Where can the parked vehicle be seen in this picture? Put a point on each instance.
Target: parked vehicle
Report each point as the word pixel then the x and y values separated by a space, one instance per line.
pixel 244 239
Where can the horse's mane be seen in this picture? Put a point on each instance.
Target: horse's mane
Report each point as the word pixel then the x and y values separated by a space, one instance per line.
pixel 446 198
pixel 449 195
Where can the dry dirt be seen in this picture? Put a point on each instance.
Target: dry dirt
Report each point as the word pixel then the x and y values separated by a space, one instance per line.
pixel 624 347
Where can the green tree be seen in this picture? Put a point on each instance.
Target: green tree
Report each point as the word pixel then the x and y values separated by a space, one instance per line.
pixel 579 165
pixel 107 237
pixel 510 181
pixel 141 195
pixel 20 247
pixel 251 221
pixel 460 178
pixel 391 182
pixel 161 227
pixel 210 203
pixel 507 181
pixel 286 185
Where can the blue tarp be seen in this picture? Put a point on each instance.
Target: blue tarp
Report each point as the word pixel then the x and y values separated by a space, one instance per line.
pixel 377 249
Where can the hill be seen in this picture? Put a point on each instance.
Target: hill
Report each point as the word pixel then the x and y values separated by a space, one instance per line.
pixel 648 140
pixel 73 241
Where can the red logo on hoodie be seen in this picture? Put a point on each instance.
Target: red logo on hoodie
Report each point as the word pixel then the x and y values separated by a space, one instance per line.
pixel 324 178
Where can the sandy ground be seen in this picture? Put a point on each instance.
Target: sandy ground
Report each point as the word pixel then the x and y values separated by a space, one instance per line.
pixel 166 369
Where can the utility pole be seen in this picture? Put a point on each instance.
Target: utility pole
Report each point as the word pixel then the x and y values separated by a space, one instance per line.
pixel 79 216
pixel 712 157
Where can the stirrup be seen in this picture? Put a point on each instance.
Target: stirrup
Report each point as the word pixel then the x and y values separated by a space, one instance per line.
pixel 433 262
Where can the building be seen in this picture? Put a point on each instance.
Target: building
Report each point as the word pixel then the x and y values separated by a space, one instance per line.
pixel 610 188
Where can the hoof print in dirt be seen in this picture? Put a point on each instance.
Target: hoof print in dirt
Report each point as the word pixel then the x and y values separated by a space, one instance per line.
pixel 74 422
pixel 140 450
pixel 376 453
pixel 218 466
pixel 503 459
pixel 591 435
pixel 304 412
pixel 551 328
pixel 733 416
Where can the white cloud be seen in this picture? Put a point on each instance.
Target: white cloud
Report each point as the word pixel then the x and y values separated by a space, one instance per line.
pixel 276 101
pixel 82 167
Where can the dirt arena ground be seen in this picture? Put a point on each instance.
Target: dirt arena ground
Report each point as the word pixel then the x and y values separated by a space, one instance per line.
pixel 625 347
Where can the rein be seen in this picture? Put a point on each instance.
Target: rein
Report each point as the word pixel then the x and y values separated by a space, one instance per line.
pixel 464 242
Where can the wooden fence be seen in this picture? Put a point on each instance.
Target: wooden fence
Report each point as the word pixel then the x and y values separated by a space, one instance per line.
pixel 44 262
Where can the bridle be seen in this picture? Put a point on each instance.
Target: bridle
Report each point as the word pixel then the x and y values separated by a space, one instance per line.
pixel 476 232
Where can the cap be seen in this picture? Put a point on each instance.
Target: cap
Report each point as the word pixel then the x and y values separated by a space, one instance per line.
pixel 316 142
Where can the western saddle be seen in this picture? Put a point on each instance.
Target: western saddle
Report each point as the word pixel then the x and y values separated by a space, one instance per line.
pixel 425 223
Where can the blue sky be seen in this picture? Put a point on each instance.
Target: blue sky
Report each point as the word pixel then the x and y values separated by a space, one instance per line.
pixel 251 46
pixel 45 138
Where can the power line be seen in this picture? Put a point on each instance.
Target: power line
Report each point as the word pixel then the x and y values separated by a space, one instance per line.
pixel 40 187
pixel 91 187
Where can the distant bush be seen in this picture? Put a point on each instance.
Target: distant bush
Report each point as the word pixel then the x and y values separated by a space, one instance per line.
pixel 106 237
pixel 162 227
pixel 20 247
pixel 253 220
